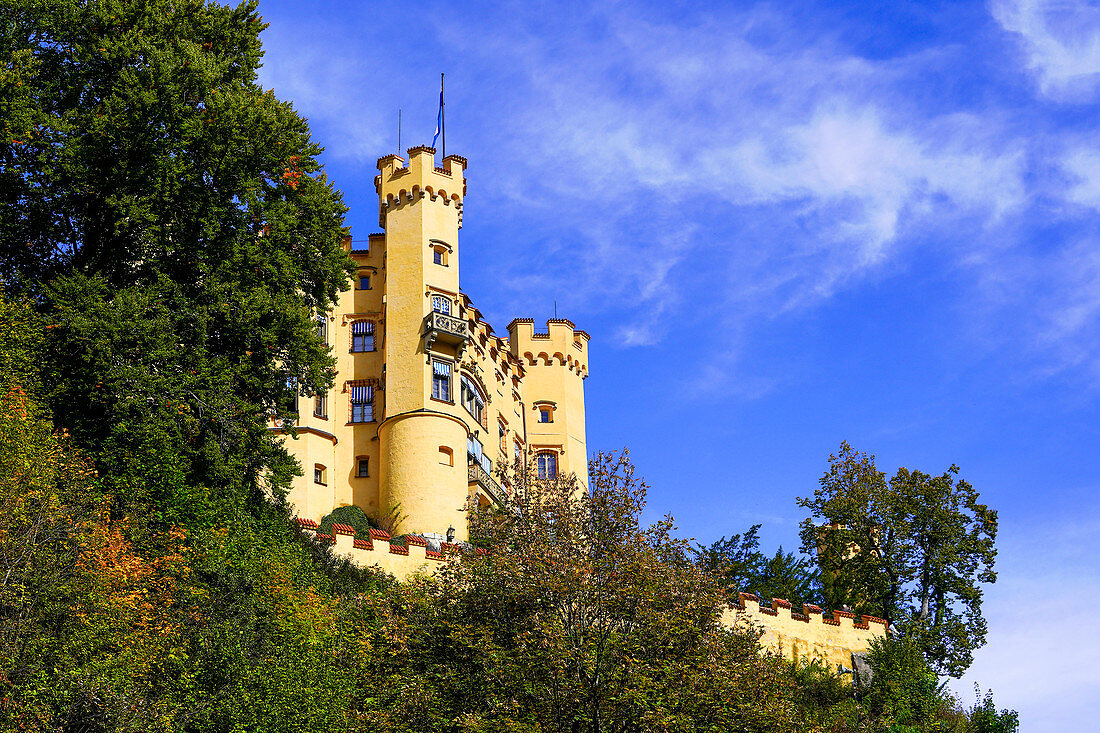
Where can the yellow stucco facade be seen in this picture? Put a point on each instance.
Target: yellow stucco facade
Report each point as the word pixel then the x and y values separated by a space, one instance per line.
pixel 429 401
pixel 808 635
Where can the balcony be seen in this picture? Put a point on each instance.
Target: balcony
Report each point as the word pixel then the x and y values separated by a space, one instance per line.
pixel 446 330
pixel 478 475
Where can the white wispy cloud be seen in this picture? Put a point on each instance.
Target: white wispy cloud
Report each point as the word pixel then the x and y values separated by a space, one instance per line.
pixel 1061 40
pixel 1040 648
pixel 671 172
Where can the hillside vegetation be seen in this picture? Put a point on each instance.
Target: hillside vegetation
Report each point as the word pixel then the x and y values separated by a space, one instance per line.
pixel 166 236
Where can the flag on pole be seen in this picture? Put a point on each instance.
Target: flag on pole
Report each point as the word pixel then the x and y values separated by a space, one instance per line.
pixel 439 117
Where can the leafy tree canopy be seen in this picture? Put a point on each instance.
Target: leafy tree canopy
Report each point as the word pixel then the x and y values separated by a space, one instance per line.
pixel 915 550
pixel 173 223
pixel 739 565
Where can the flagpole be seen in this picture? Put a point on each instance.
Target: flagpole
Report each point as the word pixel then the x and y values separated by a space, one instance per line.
pixel 442 116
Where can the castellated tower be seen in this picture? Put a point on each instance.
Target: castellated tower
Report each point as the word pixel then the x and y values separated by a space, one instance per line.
pixel 428 402
pixel 556 364
pixel 420 209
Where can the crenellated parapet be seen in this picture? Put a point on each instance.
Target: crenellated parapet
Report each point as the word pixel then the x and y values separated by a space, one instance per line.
pixel 561 344
pixel 807 634
pixel 399 184
pixel 400 557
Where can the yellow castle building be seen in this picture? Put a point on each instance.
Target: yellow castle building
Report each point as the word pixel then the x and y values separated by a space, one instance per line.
pixel 428 399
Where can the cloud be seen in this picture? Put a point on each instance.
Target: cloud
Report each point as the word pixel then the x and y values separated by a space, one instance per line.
pixel 1061 40
pixel 1040 647
pixel 727 164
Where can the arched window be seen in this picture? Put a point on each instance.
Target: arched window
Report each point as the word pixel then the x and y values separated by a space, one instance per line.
pixel 472 400
pixel 319 474
pixel 441 304
pixel 362 336
pixel 446 456
pixel 547 465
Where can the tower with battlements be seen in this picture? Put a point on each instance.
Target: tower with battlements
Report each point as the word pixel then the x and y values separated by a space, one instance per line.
pixel 429 401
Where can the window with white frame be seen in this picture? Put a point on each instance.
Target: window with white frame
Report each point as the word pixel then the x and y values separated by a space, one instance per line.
pixel 362 336
pixel 472 399
pixel 547 463
pixel 441 380
pixel 319 406
pixel 441 304
pixel 362 402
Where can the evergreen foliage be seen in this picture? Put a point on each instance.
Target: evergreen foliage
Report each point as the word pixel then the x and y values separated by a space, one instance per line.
pixel 166 239
pixel 739 565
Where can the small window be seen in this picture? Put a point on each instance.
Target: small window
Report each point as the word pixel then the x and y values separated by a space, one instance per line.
pixel 441 380
pixel 322 329
pixel 362 336
pixel 362 468
pixel 441 304
pixel 547 465
pixel 319 406
pixel 546 414
pixel 517 451
pixel 440 253
pixel 502 431
pixel 362 403
pixel 318 474
pixel 446 456
pixel 364 282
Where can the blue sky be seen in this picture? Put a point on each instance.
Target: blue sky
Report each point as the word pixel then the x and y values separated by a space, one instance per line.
pixel 785 225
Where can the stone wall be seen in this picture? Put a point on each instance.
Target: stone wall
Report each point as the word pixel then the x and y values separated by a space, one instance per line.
pixel 806 635
pixel 809 634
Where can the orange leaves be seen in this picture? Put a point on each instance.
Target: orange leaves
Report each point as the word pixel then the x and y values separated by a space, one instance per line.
pixel 292 174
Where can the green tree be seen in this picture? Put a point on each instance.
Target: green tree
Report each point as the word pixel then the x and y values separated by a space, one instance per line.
pixel 739 565
pixel 914 550
pixel 172 220
pixel 904 689
pixel 582 618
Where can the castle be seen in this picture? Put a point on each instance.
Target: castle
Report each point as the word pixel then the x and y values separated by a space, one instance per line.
pixel 428 399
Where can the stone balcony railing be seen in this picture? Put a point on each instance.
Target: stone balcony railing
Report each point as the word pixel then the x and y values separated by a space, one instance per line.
pixel 480 476
pixel 446 330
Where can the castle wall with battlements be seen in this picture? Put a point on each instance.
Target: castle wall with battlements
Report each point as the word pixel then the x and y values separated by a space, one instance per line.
pixel 809 634
pixel 806 635
pixel 429 402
